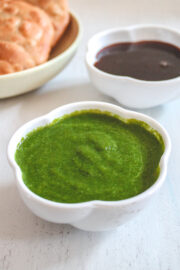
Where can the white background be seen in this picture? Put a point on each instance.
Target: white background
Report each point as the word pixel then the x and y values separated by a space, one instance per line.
pixel 149 242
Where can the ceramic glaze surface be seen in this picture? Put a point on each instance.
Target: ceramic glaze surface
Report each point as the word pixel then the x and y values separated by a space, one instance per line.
pixel 21 82
pixel 128 91
pixel 88 215
pixel 151 240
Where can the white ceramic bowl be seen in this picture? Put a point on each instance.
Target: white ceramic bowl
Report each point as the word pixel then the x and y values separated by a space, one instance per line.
pixel 92 215
pixel 128 91
pixel 24 81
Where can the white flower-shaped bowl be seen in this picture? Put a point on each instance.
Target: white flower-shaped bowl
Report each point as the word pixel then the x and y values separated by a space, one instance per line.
pixel 92 215
pixel 131 92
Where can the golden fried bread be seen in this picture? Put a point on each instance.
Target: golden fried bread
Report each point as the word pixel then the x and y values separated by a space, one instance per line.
pixel 5 68
pixel 26 26
pixel 58 12
pixel 13 58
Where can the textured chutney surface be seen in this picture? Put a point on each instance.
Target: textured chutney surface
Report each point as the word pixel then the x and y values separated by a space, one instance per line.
pixel 89 155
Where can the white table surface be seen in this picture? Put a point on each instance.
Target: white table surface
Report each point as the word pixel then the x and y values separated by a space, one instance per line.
pixel 151 241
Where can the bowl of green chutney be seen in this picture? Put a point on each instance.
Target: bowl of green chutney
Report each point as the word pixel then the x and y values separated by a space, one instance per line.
pixel 93 165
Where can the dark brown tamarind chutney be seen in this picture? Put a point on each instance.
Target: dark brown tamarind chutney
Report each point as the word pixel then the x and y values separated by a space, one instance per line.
pixel 144 60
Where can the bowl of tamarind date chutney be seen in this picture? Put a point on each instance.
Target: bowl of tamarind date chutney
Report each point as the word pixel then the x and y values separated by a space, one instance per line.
pixel 90 164
pixel 139 66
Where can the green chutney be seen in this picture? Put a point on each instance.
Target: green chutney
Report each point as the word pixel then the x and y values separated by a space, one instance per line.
pixel 90 155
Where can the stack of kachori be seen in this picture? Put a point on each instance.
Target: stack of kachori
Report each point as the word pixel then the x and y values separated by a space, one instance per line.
pixel 28 31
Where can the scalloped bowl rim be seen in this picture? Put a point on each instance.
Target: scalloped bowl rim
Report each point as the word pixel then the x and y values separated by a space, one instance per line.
pixel 129 29
pixel 93 203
